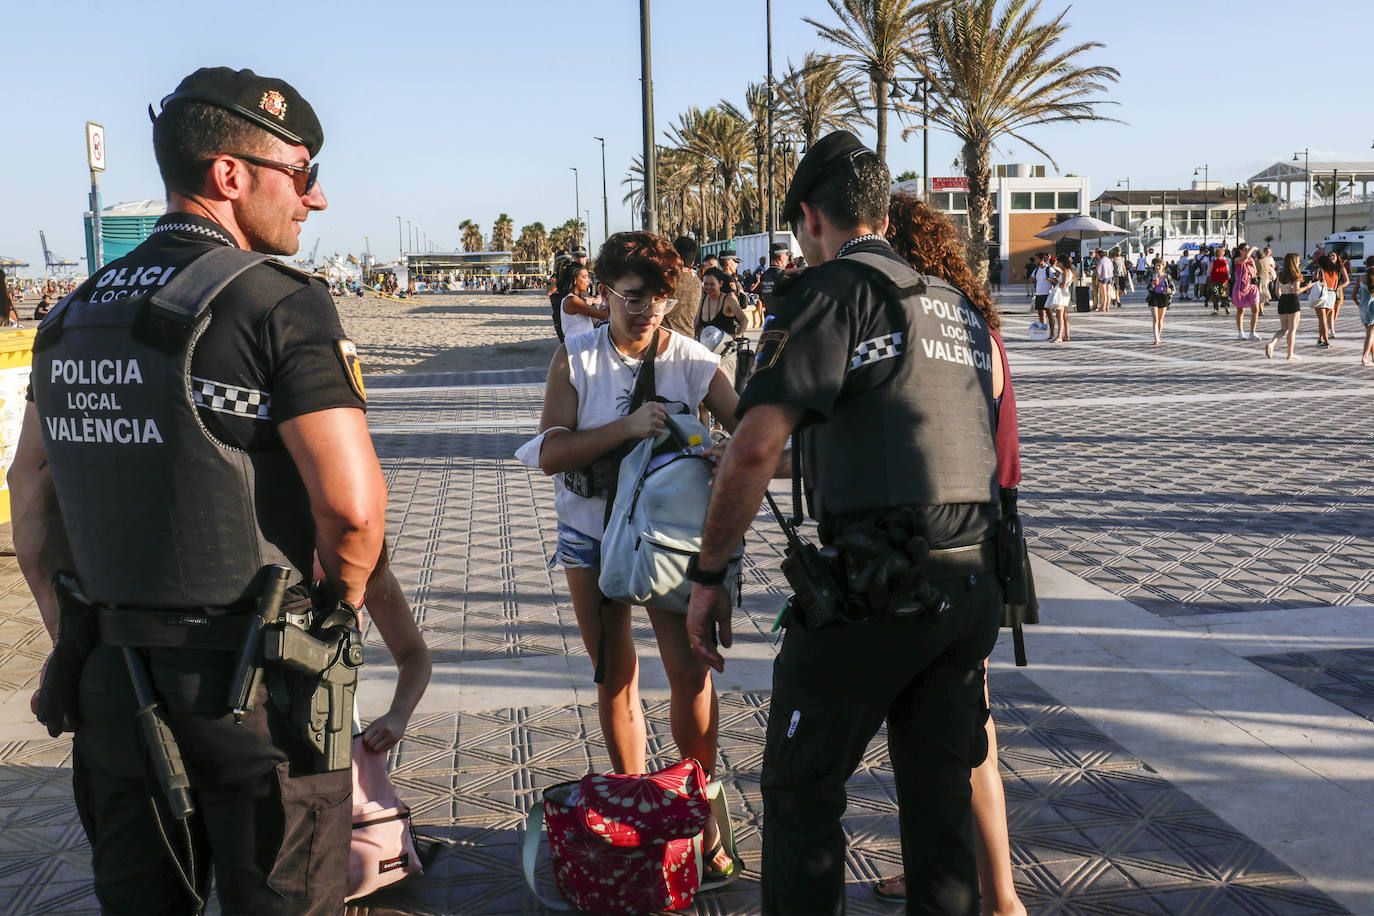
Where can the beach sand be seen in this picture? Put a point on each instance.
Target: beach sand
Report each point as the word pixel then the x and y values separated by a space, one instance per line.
pixel 450 332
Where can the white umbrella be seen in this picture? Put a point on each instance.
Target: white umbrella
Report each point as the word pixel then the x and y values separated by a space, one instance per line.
pixel 1080 227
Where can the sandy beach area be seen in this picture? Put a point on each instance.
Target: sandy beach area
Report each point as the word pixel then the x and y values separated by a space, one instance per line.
pixel 450 332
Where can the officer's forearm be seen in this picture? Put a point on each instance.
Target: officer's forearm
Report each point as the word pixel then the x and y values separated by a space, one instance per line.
pixel 40 545
pixel 750 461
pixel 348 549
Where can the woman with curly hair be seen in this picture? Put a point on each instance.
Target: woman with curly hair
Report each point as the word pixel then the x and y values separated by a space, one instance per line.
pixel 929 242
pixel 594 412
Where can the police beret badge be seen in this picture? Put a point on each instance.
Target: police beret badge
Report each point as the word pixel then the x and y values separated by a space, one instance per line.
pixel 274 104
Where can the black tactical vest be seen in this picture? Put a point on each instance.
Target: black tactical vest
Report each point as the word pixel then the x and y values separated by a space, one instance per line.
pixel 158 513
pixel 923 433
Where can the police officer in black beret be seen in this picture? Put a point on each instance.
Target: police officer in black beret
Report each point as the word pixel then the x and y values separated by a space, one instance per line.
pixel 885 378
pixel 197 418
pixel 780 256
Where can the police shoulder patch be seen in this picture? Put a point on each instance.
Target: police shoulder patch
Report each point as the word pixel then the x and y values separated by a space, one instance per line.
pixel 770 348
pixel 353 368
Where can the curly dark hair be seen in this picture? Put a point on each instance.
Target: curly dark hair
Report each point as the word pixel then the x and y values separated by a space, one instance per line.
pixel 930 243
pixel 651 258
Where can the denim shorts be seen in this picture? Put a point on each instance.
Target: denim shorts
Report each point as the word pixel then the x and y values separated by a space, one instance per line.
pixel 576 550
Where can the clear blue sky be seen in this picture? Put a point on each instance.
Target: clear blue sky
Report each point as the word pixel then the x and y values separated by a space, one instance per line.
pixel 442 111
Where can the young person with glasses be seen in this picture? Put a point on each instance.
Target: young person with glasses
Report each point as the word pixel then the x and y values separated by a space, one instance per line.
pixel 587 417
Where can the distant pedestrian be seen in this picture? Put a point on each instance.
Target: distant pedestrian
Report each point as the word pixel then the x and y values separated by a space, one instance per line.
pixel 1106 277
pixel 1265 270
pixel 1328 273
pixel 1291 287
pixel 581 311
pixel 1343 264
pixel 1124 282
pixel 1218 279
pixel 1160 292
pixel 1364 298
pixel 1245 291
pixel 1063 293
pixel 1043 276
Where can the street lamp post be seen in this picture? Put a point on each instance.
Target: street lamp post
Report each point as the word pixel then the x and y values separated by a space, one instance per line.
pixel 772 216
pixel 1335 187
pixel 605 200
pixel 577 205
pixel 400 245
pixel 1306 194
pixel 647 101
pixel 1206 201
pixel 1127 182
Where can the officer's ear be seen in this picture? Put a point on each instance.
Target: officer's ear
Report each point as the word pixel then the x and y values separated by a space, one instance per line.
pixel 228 178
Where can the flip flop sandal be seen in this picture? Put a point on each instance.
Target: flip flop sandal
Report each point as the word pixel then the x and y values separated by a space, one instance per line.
pixel 719 877
pixel 888 897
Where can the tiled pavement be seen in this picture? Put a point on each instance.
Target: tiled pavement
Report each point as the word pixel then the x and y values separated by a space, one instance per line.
pixel 1194 735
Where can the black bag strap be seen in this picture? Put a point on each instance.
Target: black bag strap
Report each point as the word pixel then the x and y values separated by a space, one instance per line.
pixel 644 382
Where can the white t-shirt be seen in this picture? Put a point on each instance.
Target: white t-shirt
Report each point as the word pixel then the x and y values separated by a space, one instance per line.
pixel 575 324
pixel 604 380
pixel 1044 280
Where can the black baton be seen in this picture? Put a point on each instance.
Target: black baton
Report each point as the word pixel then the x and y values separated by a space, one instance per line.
pixel 159 741
pixel 248 673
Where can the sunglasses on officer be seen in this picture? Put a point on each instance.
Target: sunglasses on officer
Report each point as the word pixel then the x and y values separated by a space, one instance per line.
pixel 309 174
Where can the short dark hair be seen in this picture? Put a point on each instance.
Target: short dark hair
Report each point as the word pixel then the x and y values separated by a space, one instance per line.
pixel 687 249
pixel 710 256
pixel 188 134
pixel 852 197
pixel 651 258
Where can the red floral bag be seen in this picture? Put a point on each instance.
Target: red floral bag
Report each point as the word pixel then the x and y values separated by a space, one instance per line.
pixel 627 844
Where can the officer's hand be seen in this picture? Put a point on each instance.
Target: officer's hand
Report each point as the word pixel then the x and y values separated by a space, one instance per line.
pixel 42 673
pixel 384 732
pixel 648 421
pixel 708 615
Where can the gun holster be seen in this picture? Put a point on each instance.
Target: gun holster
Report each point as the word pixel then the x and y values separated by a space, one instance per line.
pixel 817 596
pixel 321 666
pixel 1011 551
pixel 78 630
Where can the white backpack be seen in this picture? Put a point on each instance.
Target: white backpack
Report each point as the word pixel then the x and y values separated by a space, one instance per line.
pixel 655 525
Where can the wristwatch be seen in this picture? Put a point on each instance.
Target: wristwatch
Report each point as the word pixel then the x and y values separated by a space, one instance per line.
pixel 710 577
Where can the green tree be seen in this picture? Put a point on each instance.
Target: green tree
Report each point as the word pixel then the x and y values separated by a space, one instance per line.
pixel 820 97
pixel 532 249
pixel 567 236
pixel 501 233
pixel 875 37
pixel 908 175
pixel 994 73
pixel 472 235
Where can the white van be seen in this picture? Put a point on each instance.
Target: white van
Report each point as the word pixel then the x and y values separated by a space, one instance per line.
pixel 1353 245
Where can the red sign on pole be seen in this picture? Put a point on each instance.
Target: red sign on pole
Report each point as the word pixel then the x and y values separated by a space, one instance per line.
pixel 949 184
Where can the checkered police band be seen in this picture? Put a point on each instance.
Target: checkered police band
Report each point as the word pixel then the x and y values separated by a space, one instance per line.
pixel 230 399
pixel 879 348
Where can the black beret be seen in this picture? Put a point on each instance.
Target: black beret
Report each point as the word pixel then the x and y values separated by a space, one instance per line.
pixel 830 151
pixel 271 104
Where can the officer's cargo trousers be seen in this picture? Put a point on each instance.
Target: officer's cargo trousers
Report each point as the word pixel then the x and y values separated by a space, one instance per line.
pixel 832 689
pixel 276 834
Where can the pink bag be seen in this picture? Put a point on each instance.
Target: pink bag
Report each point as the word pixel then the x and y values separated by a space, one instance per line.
pixel 627 844
pixel 383 848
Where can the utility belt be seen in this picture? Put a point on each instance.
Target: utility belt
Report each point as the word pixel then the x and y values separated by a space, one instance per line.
pixel 877 566
pixel 309 656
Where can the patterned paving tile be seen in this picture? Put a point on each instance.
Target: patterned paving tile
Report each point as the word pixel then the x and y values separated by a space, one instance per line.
pixel 1189 507
pixel 1094 830
pixel 1343 676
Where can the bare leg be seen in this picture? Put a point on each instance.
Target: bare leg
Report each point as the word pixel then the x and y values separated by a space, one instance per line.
pixel 693 713
pixel 992 846
pixel 617 700
pixel 1254 319
pixel 1063 322
pixel 1240 313
pixel 1368 355
pixel 1292 334
pixel 1159 323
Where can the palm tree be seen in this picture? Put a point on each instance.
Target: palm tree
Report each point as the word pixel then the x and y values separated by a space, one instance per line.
pixel 876 36
pixel 501 233
pixel 472 235
pixel 533 245
pixel 567 236
pixel 993 74
pixel 755 116
pixel 820 97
